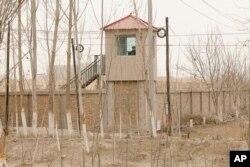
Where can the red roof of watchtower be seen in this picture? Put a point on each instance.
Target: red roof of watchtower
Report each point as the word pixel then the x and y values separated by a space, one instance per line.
pixel 128 22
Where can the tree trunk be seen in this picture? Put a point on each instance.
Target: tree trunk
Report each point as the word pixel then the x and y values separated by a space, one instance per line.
pixel 51 71
pixel 83 121
pixel 15 87
pixel 69 120
pixel 100 75
pixel 34 66
pixel 21 71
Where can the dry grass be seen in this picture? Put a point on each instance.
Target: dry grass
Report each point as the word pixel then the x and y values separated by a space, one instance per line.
pixel 198 119
pixel 207 146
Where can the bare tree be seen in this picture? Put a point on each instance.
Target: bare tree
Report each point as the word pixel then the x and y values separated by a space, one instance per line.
pixel 235 75
pixel 78 54
pixel 207 57
pixel 69 120
pixel 100 76
pixel 23 118
pixel 51 69
pixel 8 9
pixel 34 65
pixel 244 25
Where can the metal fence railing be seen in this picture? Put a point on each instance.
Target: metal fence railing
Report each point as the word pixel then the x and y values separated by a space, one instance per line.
pixel 89 73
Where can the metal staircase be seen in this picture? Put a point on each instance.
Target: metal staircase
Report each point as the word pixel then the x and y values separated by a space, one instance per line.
pixel 89 73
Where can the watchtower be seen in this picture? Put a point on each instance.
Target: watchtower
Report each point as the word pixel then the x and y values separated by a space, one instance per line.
pixel 126 51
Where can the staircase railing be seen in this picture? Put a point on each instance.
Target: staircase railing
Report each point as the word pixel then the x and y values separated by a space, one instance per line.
pixel 89 73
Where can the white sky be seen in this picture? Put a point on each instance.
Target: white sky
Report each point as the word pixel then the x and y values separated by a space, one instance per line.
pixel 186 17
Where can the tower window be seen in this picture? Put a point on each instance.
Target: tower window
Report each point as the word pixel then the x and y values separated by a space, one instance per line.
pixel 126 45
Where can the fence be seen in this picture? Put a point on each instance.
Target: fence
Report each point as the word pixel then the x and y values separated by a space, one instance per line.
pixel 201 103
pixel 182 103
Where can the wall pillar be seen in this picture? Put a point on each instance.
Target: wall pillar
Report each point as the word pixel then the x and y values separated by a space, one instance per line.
pixel 27 102
pixel 108 115
pixel 143 113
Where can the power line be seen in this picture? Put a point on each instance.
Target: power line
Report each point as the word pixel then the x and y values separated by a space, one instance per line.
pixel 206 34
pixel 52 31
pixel 172 35
pixel 210 18
pixel 181 44
pixel 174 45
pixel 98 32
pixel 227 45
pixel 217 10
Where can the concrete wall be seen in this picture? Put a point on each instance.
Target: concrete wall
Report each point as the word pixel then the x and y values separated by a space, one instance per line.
pixel 91 102
pixel 127 106
pixel 201 103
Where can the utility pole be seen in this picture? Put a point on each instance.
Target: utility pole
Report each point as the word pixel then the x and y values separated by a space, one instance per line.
pixel 7 82
pixel 168 78
pixel 151 69
pixel 161 33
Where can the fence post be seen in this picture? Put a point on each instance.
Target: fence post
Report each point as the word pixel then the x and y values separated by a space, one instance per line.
pixel 209 105
pixel 245 105
pixel 201 101
pixel 223 100
pixel 240 96
pixel 230 102
pixel 191 102
pixel 180 107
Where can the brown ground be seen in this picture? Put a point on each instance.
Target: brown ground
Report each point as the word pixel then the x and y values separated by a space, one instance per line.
pixel 207 146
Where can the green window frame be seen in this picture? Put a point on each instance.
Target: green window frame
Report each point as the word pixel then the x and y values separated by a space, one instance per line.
pixel 126 45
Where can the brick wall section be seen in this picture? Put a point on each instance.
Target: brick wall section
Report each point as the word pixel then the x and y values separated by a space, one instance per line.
pixel 90 99
pixel 181 103
pixel 126 103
